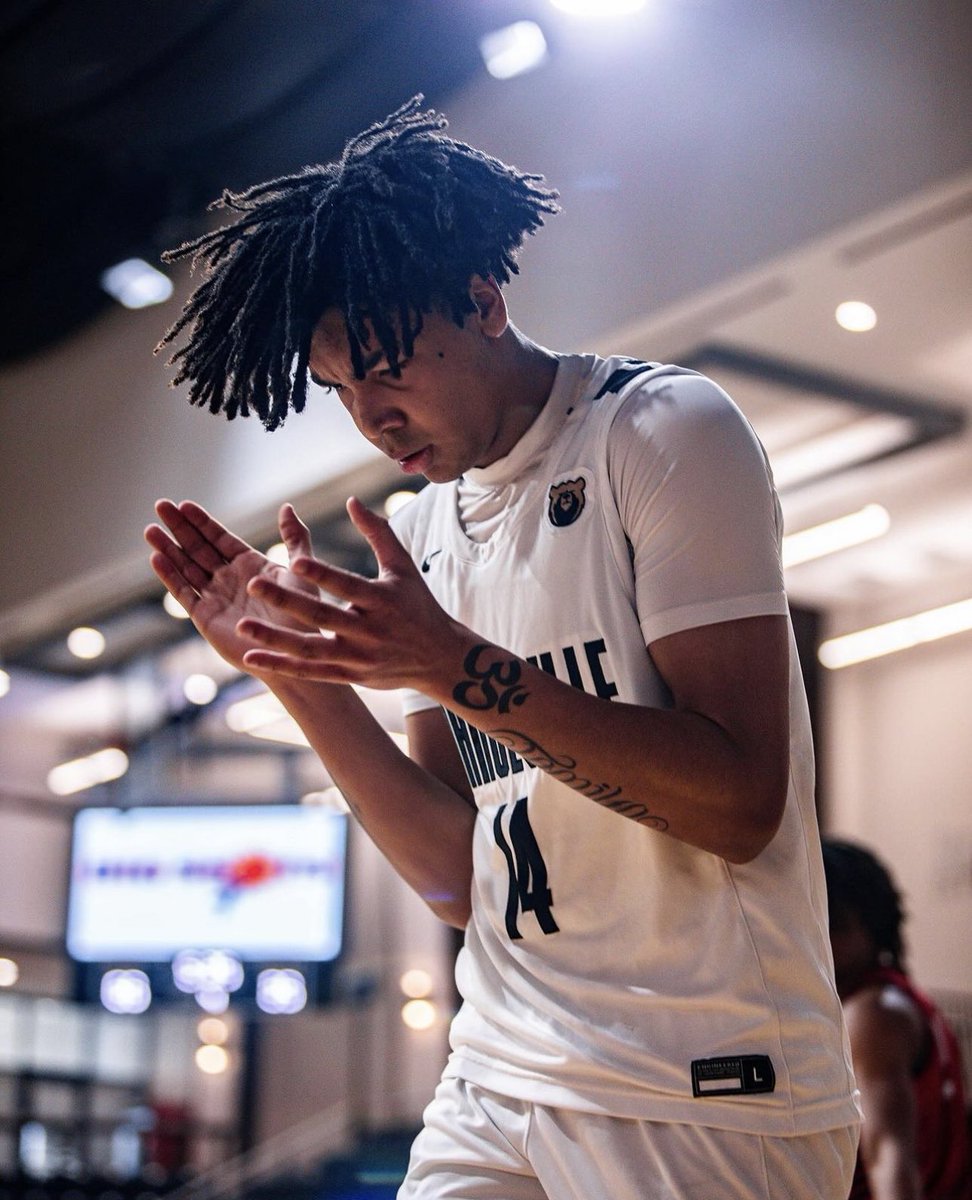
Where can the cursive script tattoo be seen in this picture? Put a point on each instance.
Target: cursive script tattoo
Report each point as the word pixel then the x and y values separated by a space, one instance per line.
pixel 564 769
pixel 493 682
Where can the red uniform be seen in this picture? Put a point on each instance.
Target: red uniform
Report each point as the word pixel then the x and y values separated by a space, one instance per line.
pixel 944 1157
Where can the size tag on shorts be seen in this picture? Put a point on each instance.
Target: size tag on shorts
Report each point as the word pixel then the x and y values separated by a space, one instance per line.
pixel 742 1075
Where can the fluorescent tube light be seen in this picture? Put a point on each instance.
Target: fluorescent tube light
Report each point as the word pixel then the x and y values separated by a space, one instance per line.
pixel 868 523
pixel 892 636
pixel 81 773
pixel 514 49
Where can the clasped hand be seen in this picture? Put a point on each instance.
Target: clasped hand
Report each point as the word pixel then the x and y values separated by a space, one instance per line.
pixel 273 621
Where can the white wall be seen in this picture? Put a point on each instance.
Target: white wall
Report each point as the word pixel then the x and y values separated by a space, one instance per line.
pixel 899 779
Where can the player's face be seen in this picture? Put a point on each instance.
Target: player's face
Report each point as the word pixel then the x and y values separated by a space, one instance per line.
pixel 445 413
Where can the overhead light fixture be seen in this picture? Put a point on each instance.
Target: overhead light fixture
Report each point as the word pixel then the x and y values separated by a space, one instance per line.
pixel 213 1031
pixel 514 49
pixel 281 991
pixel 397 500
pixel 9 972
pixel 81 773
pixel 125 991
pixel 416 983
pixel 279 554
pixel 839 449
pixel 902 634
pixel 330 798
pixel 419 1014
pixel 85 642
pixel 212 1059
pixel 4 682
pixel 868 523
pixel 200 689
pixel 174 608
pixel 855 316
pixel 263 716
pixel 135 283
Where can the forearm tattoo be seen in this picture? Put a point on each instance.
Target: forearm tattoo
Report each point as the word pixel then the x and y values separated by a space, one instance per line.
pixel 563 767
pixel 494 682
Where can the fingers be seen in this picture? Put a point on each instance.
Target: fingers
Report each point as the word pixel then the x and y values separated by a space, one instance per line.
pixel 172 565
pixel 310 611
pixel 387 549
pixel 174 582
pixel 201 536
pixel 295 534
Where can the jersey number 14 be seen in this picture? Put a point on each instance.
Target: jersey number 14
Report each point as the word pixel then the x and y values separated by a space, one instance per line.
pixel 528 872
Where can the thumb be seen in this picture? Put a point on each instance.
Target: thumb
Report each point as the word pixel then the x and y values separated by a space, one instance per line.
pixel 376 530
pixel 295 534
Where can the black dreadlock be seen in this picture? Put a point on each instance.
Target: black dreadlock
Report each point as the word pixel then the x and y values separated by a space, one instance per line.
pixel 857 881
pixel 394 229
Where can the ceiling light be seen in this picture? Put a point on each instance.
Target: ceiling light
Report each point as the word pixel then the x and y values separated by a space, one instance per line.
pixel 125 991
pixel 263 716
pixel 416 983
pixel 213 1031
pixel 856 443
pixel 514 49
pixel 863 526
pixel 9 972
pixel 212 1059
pixel 599 8
pixel 892 636
pixel 136 284
pixel 855 316
pixel 200 689
pixel 419 1014
pixel 173 607
pixel 281 990
pixel 4 682
pixel 81 773
pixel 279 554
pixel 396 500
pixel 85 642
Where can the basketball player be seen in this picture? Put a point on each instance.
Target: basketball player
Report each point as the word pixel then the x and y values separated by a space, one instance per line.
pixel 610 781
pixel 914 1140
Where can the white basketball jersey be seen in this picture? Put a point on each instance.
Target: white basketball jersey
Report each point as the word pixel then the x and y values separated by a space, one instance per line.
pixel 608 967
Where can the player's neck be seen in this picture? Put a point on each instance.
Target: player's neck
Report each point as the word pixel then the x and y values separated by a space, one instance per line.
pixel 529 373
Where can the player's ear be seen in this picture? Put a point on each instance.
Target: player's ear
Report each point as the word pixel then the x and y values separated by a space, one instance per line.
pixel 491 313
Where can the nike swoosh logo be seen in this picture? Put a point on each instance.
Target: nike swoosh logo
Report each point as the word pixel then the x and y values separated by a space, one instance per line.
pixel 427 561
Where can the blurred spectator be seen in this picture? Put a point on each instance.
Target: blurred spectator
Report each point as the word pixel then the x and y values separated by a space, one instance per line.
pixel 914 1141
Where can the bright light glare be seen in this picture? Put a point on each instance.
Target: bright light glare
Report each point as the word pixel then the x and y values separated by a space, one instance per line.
pixel 85 642
pixel 4 683
pixel 599 8
pixel 80 773
pixel 174 608
pixel 329 797
pixel 125 991
pixel 136 284
pixel 200 689
pixel 263 716
pixel 281 991
pixel 513 50
pixel 419 1014
pixel 902 634
pixel 416 983
pixel 9 972
pixel 855 316
pixel 211 1059
pixel 396 500
pixel 868 523
pixel 279 554
pixel 213 1031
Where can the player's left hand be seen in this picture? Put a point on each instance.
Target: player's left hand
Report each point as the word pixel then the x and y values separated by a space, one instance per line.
pixel 387 632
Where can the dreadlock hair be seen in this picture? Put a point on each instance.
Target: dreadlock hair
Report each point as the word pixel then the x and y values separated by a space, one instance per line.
pixel 858 882
pixel 392 230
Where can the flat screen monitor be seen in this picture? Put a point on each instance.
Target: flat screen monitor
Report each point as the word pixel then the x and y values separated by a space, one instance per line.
pixel 264 882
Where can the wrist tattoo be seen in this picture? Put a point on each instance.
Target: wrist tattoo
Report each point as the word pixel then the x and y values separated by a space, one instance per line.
pixel 564 768
pixel 494 682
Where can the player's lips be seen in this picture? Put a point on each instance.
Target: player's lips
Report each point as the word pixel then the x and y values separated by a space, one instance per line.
pixel 416 463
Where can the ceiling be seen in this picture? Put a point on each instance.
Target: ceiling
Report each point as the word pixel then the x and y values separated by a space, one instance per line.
pixel 122 121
